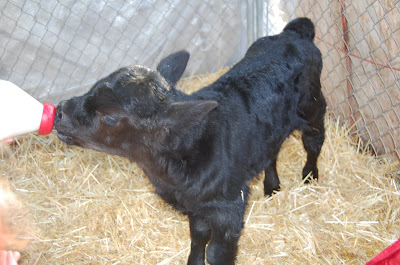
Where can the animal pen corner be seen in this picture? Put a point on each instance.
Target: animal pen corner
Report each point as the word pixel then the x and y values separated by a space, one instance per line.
pixel 58 49
pixel 360 45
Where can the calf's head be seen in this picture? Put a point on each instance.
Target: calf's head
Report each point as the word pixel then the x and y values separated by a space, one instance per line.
pixel 131 110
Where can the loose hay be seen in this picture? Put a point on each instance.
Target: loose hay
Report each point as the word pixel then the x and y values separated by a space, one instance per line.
pixel 92 208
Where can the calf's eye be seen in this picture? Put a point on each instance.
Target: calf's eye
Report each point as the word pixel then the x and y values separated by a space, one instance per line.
pixel 109 120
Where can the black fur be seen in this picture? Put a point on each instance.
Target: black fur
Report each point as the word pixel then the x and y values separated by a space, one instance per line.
pixel 200 150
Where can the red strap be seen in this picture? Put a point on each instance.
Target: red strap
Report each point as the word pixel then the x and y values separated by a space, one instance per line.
pixel 47 123
pixel 390 256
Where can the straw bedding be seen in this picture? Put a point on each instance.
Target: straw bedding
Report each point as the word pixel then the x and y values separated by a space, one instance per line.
pixel 92 208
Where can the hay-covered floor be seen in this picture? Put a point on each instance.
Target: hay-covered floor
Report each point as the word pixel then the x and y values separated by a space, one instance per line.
pixel 92 208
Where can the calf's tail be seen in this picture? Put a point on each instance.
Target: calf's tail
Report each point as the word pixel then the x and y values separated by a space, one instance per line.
pixel 303 27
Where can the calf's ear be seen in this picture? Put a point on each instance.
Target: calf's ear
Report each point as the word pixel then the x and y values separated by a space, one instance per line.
pixel 182 116
pixel 173 66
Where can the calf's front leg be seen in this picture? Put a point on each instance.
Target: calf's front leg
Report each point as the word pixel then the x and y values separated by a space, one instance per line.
pixel 200 233
pixel 226 225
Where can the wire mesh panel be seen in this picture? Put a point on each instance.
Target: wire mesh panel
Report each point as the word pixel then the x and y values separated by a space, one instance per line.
pixel 56 49
pixel 360 44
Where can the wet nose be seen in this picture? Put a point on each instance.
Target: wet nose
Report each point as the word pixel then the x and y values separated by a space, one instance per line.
pixel 61 104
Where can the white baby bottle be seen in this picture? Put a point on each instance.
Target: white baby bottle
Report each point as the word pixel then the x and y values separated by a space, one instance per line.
pixel 20 113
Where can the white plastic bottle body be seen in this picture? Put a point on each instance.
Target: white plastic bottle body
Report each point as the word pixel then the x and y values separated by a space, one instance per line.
pixel 20 113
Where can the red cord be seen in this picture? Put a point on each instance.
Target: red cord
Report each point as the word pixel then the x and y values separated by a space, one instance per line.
pixel 359 57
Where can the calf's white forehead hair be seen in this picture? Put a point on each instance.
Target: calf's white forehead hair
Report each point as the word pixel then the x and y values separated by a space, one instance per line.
pixel 138 74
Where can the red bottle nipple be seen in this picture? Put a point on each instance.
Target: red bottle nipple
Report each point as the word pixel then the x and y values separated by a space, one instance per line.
pixel 47 123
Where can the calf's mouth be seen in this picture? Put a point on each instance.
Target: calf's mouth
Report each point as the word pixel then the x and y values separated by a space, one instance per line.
pixel 66 138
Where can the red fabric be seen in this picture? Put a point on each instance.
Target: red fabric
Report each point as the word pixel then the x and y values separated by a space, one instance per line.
pixel 390 256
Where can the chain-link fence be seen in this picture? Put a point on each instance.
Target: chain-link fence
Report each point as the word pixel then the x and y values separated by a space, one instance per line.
pixel 360 43
pixel 55 49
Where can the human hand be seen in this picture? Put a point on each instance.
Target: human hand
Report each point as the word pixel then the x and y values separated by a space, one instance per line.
pixel 9 257
pixel 8 141
pixel 10 210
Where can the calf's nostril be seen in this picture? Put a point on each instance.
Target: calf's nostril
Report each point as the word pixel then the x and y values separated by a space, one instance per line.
pixel 60 107
pixel 59 115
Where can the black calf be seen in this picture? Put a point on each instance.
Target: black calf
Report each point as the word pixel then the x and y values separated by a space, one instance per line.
pixel 200 150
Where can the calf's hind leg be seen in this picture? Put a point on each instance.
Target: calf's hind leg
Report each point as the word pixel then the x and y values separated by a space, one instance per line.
pixel 313 138
pixel 271 180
